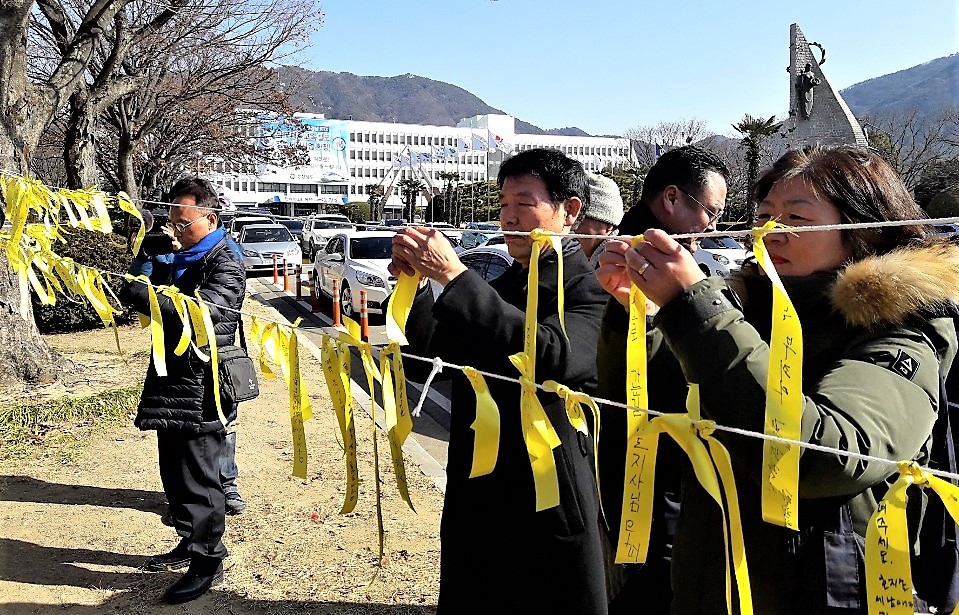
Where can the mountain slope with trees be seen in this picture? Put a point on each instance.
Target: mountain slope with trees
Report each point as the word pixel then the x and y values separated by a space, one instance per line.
pixel 927 88
pixel 405 99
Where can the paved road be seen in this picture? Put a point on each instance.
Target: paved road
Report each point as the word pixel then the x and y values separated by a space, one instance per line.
pixel 428 443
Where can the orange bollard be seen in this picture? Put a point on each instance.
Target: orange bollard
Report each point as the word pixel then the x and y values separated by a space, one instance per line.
pixel 364 318
pixel 276 279
pixel 336 302
pixel 286 277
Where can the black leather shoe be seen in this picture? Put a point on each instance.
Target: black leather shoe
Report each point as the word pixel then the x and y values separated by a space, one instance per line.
pixel 203 574
pixel 177 559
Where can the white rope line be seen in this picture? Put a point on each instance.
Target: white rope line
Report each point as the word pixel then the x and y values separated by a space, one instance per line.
pixel 735 430
pixel 437 368
pixel 438 365
pixel 655 413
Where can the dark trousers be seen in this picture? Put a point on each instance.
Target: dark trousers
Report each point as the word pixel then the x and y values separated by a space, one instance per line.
pixel 190 471
pixel 228 469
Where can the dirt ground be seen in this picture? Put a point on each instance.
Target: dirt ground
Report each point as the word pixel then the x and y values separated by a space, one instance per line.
pixel 73 534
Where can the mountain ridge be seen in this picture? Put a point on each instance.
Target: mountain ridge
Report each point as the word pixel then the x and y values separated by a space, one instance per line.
pixel 411 99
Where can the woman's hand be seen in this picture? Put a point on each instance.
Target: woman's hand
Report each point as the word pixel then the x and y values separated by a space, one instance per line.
pixel 611 272
pixel 427 251
pixel 660 267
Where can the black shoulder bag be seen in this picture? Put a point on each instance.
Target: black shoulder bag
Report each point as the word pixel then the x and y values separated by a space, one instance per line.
pixel 237 374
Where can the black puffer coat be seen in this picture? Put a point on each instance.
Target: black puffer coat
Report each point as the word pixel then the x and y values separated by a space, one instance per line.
pixel 183 399
pixel 493 543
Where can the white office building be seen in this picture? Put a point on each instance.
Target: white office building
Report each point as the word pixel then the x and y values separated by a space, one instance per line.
pixel 341 160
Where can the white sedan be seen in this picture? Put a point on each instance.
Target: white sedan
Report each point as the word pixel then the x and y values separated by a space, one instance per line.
pixel 261 242
pixel 358 260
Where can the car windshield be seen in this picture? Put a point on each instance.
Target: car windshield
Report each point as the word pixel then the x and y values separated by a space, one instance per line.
pixel 267 235
pixel 714 243
pixel 332 224
pixel 486 227
pixel 371 247
pixel 293 225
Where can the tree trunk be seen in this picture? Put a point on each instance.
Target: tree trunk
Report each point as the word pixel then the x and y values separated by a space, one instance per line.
pixel 79 158
pixel 24 356
pixel 125 169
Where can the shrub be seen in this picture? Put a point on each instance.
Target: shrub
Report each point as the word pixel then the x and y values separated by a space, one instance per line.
pixel 93 249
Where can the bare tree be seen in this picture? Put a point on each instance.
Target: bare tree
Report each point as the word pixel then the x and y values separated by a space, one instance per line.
pixel 912 143
pixel 27 106
pixel 665 136
pixel 103 80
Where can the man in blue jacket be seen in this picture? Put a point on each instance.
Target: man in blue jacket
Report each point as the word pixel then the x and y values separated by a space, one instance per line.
pixel 180 405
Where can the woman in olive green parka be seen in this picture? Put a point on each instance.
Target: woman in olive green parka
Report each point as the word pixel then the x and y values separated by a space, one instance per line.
pixel 876 307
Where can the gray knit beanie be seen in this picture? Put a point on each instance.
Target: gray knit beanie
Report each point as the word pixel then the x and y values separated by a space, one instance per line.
pixel 605 203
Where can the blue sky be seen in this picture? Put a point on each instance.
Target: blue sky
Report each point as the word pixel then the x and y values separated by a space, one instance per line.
pixel 609 66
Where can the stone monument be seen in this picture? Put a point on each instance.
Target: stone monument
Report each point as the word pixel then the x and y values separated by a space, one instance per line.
pixel 817 113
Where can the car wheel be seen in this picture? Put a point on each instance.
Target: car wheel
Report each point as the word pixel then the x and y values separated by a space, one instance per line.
pixel 347 308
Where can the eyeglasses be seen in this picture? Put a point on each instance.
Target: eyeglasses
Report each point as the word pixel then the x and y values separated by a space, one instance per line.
pixel 713 215
pixel 179 227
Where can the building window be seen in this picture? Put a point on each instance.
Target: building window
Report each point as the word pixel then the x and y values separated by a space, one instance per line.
pixel 303 188
pixel 270 187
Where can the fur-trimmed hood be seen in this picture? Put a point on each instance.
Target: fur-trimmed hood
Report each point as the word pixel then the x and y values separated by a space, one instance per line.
pixel 898 285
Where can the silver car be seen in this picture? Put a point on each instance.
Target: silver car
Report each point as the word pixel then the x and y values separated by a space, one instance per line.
pixel 260 242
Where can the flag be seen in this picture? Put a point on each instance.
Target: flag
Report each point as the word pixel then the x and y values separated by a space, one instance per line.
pixel 439 152
pixel 426 158
pixel 464 145
pixel 480 144
pixel 497 142
pixel 451 151
pixel 659 151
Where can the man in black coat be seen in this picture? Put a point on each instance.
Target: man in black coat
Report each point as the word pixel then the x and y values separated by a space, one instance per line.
pixel 494 545
pixel 684 192
pixel 180 405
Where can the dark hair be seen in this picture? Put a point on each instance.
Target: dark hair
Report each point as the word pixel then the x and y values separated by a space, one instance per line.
pixel 563 176
pixel 861 185
pixel 202 191
pixel 687 167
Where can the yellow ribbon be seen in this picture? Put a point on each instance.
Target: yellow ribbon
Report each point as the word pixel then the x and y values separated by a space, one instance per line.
pixel 888 565
pixel 155 322
pixel 784 399
pixel 574 402
pixel 695 438
pixel 540 238
pixel 539 435
pixel 336 366
pixel 486 426
pixel 300 409
pixel 633 546
pixel 208 332
pixel 396 410
pixel 398 307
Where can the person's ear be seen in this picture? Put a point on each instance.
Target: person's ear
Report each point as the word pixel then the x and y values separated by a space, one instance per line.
pixel 670 193
pixel 572 205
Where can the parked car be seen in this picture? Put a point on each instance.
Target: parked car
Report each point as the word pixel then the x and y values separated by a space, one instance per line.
pixel 241 220
pixel 259 242
pixel 945 231
pixel 474 234
pixel 447 229
pixel 490 261
pixel 296 228
pixel 358 260
pixel 727 247
pixel 711 263
pixel 318 228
